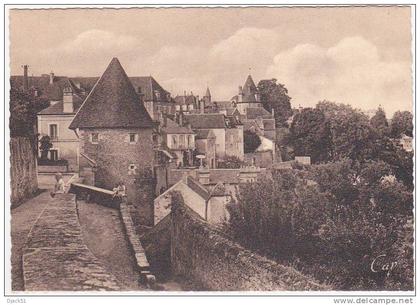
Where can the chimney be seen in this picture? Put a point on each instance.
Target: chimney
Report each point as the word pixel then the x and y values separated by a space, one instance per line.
pixel 203 175
pixel 240 90
pixel 77 85
pixel 51 78
pixel 68 100
pixel 25 78
pixel 272 111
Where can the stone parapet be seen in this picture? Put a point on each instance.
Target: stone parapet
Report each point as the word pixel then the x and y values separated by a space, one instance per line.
pixel 136 246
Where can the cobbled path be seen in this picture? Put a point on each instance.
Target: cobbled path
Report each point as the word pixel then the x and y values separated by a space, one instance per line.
pixel 22 219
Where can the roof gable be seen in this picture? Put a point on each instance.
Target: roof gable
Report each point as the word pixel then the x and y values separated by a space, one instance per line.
pixel 112 103
pixel 174 128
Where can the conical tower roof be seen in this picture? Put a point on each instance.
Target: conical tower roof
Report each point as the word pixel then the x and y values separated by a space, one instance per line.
pixel 112 103
pixel 208 92
pixel 249 90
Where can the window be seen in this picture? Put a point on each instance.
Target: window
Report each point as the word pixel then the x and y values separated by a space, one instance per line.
pixel 181 140
pixel 190 142
pixel 53 131
pixel 133 138
pixel 94 138
pixel 174 141
pixel 53 154
pixel 132 169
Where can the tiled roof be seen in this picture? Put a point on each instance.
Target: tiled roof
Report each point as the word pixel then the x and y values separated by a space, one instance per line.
pixel 249 90
pixel 204 134
pixel 253 113
pixel 149 87
pixel 208 92
pixel 185 100
pixel 172 127
pixel 112 103
pixel 197 187
pixel 223 105
pixel 57 108
pixel 206 121
pixel 54 91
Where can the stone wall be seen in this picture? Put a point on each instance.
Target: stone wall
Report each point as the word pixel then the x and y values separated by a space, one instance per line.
pixel 55 256
pixel 203 254
pixel 23 177
pixel 115 155
pixel 135 244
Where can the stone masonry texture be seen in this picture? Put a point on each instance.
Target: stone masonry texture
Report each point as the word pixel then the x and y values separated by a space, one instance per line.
pixel 114 155
pixel 55 256
pixel 200 252
pixel 23 176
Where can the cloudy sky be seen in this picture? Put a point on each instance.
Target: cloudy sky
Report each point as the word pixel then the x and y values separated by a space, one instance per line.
pixel 360 56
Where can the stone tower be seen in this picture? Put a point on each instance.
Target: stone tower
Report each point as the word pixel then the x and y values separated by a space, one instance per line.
pixel 115 132
pixel 207 98
pixel 248 96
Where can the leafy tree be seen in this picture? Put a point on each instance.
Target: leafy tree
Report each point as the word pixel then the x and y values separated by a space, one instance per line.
pixel 402 123
pixel 310 135
pixel 231 162
pixel 23 111
pixel 251 141
pixel 331 220
pixel 275 96
pixel 379 122
pixel 351 133
pixel 45 146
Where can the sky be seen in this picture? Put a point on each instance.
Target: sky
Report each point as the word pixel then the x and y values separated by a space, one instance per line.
pixel 355 55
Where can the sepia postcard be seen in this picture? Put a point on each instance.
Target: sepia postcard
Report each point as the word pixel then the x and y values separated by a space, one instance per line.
pixel 200 150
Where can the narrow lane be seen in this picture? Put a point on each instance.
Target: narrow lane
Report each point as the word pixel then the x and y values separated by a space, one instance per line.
pixel 104 235
pixel 22 219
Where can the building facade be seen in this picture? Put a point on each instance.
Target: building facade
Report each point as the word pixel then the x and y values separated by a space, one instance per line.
pixel 116 133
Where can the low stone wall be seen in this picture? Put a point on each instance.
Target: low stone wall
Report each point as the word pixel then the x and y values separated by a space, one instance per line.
pixel 55 256
pixel 157 245
pixel 203 254
pixel 136 246
pixel 23 177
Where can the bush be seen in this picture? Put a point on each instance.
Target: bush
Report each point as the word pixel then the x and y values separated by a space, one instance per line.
pixel 251 141
pixel 230 162
pixel 331 221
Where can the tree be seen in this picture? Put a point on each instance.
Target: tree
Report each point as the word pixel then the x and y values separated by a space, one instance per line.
pixel 45 146
pixel 402 123
pixel 231 162
pixel 310 135
pixel 275 96
pixel 351 133
pixel 23 111
pixel 332 228
pixel 251 141
pixel 379 122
